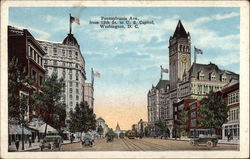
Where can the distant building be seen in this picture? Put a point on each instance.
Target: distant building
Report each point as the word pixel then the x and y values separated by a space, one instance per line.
pixel 89 94
pixel 101 122
pixel 65 59
pixel 186 80
pixel 142 125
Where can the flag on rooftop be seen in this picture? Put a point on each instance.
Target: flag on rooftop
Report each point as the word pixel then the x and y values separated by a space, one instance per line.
pixel 165 70
pixel 97 74
pixel 198 51
pixel 74 20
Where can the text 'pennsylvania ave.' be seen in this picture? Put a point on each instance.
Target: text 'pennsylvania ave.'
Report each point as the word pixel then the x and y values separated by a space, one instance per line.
pixel 120 22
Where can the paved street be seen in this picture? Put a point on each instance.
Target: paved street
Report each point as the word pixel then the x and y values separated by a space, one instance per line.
pixel 145 144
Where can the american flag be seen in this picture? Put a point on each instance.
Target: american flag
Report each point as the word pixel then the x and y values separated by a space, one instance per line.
pixel 74 20
pixel 164 70
pixel 97 74
pixel 198 51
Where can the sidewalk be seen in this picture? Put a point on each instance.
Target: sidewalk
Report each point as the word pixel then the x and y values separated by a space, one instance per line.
pixel 34 146
pixel 231 142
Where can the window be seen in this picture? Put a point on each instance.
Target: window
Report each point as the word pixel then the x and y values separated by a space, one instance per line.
pixel 40 80
pixel 63 73
pixel 63 63
pixel 54 51
pixel 70 84
pixel 76 84
pixel 223 78
pixel 212 76
pixel 70 76
pixel 201 76
pixel 55 62
pixel 193 122
pixel 233 98
pixel 63 52
pixel 70 71
pixel 77 76
pixel 70 96
pixel 234 114
pixel 193 114
pixel 76 65
pixel 70 53
pixel 193 105
pixel 45 48
pixel 180 107
pixel 34 76
pixel 77 91
pixel 70 90
pixel 76 55
pixel 71 103
pixel 77 97
pixel 30 51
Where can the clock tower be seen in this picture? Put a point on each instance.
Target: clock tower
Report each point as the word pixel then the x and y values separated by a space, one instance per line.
pixel 179 54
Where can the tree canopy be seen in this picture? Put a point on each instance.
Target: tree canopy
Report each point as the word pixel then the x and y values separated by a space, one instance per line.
pixel 162 127
pixel 213 111
pixel 82 119
pixel 50 101
pixel 17 80
pixel 181 126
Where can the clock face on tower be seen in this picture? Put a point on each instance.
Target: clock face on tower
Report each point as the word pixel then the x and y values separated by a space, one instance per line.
pixel 184 59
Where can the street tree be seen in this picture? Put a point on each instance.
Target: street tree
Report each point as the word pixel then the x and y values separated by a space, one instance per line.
pixel 50 103
pixel 18 80
pixel 82 119
pixel 213 111
pixel 162 127
pixel 181 126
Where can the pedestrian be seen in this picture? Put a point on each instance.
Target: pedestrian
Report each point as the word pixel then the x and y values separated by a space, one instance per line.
pixel 29 141
pixel 17 144
pixel 228 136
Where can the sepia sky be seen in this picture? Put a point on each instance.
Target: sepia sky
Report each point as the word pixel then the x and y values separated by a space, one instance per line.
pixel 129 59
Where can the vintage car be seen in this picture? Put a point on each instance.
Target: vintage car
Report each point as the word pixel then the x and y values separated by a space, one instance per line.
pixel 210 141
pixel 87 140
pixel 52 142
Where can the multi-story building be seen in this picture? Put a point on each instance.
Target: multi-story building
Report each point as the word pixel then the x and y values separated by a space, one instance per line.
pixel 186 80
pixel 23 46
pixel 66 60
pixel 231 95
pixel 158 104
pixel 142 125
pixel 89 94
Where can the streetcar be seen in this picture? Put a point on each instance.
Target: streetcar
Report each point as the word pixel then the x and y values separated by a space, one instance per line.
pixel 131 134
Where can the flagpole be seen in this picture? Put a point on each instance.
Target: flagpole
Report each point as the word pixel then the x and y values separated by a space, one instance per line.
pixel 161 72
pixel 92 76
pixel 194 55
pixel 70 23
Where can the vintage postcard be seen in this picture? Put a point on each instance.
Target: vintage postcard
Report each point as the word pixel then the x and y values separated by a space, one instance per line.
pixel 127 79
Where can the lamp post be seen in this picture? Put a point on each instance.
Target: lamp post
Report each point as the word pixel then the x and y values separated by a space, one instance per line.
pixel 23 107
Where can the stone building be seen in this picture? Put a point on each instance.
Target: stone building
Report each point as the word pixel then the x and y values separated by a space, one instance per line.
pixel 66 60
pixel 186 80
pixel 89 94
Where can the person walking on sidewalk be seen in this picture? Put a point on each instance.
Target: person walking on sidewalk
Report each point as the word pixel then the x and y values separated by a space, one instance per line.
pixel 228 136
pixel 29 141
pixel 17 144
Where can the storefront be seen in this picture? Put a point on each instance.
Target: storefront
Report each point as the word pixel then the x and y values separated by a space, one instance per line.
pixel 231 130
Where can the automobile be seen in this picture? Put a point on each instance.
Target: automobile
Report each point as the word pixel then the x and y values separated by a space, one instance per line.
pixel 210 141
pixel 51 141
pixel 87 140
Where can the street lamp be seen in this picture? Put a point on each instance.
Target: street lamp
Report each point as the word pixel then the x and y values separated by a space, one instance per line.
pixel 23 107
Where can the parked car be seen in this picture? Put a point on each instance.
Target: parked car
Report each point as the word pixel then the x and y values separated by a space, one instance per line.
pixel 210 141
pixel 51 141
